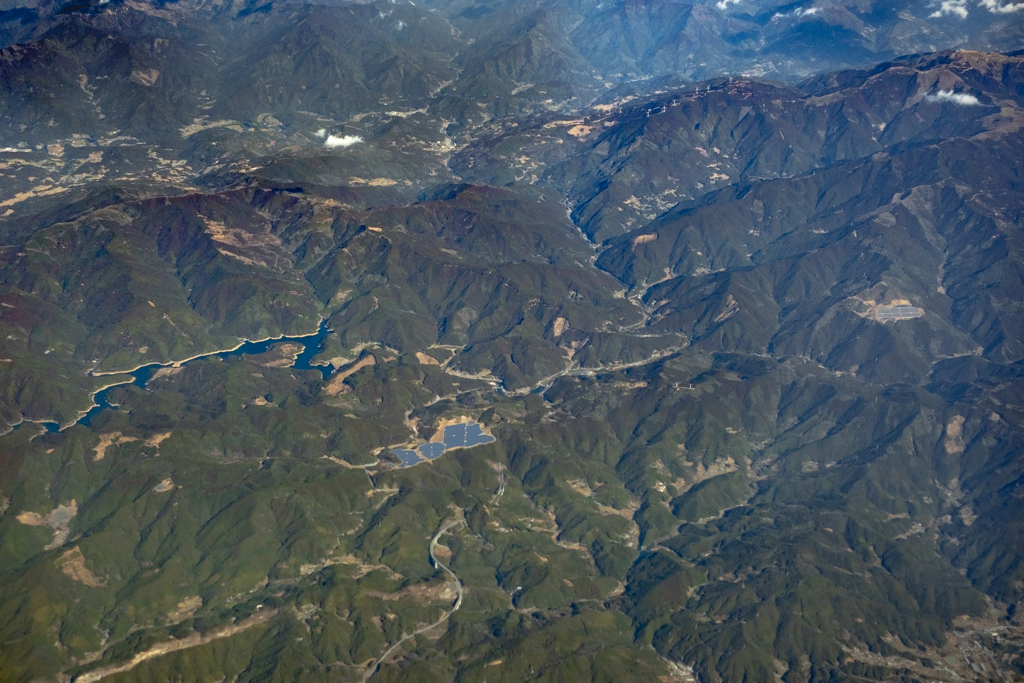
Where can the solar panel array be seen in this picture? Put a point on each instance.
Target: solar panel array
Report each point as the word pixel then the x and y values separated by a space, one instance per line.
pixel 899 313
pixel 463 435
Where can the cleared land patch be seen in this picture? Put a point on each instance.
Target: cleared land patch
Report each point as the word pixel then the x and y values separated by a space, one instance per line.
pixel 72 563
pixel 111 439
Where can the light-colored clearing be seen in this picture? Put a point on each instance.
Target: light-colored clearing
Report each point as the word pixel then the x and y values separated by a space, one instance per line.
pixel 426 360
pixel 954 435
pixel 569 122
pixel 72 563
pixel 560 326
pixel 175 645
pixel 147 77
pixel 38 191
pixel 644 239
pixel 701 473
pixel 406 114
pixel 240 239
pixel 165 372
pixel 614 105
pixel 198 125
pixel 372 182
pixel 580 486
pixel 108 440
pixel 731 309
pixel 337 384
pixel 158 439
pixel 419 593
pixel 185 609
pixel 57 519
pixel 363 568
pixel 289 352
pixel 31 519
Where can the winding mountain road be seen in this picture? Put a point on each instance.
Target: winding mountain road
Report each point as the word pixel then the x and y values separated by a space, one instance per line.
pixel 445 528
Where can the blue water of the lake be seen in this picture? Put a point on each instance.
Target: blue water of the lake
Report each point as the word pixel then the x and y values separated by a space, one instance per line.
pixel 310 347
pixel 463 435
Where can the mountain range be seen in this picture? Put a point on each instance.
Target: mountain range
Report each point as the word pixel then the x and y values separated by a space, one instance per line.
pixel 736 287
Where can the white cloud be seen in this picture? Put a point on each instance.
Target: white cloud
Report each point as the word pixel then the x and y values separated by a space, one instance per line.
pixel 996 6
pixel 342 140
pixel 724 4
pixel 957 7
pixel 954 97
pixel 798 12
pixel 322 133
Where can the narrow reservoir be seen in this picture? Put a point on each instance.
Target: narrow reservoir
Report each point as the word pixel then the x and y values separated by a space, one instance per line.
pixel 310 347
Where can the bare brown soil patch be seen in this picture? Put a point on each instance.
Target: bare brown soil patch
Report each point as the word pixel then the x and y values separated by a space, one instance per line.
pixel 701 473
pixel 363 568
pixel 145 77
pixel 288 352
pixel 108 440
pixel 185 609
pixel 954 435
pixel 166 372
pixel 175 645
pixel 731 309
pixel 643 239
pixel 72 563
pixel 337 384
pixel 57 519
pixel 158 439
pixel 446 591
